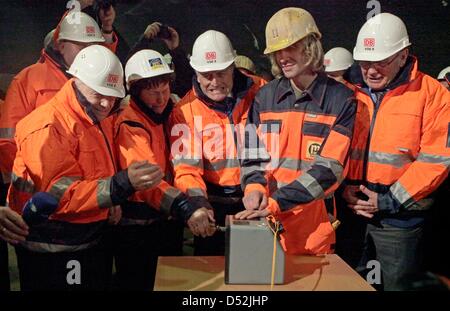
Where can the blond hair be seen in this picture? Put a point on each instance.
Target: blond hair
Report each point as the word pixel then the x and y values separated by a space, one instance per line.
pixel 312 48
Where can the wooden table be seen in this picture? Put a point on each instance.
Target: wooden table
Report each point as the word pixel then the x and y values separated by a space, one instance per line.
pixel 303 273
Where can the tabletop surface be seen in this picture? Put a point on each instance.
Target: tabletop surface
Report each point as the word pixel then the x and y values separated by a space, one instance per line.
pixel 303 273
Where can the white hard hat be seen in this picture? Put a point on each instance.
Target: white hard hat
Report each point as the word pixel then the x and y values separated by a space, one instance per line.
pixel 441 75
pixel 380 37
pixel 145 64
pixel 80 27
pixel 212 51
pixel 100 69
pixel 48 40
pixel 337 59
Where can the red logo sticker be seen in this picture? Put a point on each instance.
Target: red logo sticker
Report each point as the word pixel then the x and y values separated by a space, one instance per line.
pixel 210 56
pixel 327 62
pixel 112 78
pixel 90 29
pixel 369 42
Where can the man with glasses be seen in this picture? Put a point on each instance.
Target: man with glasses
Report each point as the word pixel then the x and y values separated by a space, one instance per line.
pixel 400 151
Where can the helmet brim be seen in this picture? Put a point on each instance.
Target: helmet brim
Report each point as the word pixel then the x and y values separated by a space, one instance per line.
pixel 211 67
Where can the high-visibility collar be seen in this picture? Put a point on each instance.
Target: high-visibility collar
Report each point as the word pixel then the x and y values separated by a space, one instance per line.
pixel 157 118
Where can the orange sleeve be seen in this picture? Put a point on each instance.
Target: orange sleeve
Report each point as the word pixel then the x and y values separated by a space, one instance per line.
pixel 46 162
pixel 187 165
pixel 19 102
pixel 431 167
pixel 133 144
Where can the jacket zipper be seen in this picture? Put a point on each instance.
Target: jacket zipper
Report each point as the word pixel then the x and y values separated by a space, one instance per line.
pixel 108 146
pixel 372 125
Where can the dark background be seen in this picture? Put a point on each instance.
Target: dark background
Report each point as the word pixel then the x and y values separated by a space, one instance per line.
pixel 24 24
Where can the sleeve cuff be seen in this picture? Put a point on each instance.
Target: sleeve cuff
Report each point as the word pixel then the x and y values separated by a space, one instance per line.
pixel 273 207
pixel 252 187
pixel 198 202
pixel 121 187
pixel 387 203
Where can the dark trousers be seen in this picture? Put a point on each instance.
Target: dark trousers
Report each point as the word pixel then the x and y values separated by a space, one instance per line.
pixel 437 256
pixel 350 235
pixel 398 250
pixel 4 271
pixel 55 271
pixel 136 250
pixel 215 244
pixel 172 237
pixel 4 267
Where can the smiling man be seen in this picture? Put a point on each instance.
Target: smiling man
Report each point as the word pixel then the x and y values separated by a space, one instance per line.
pixel 220 99
pixel 312 117
pixel 401 152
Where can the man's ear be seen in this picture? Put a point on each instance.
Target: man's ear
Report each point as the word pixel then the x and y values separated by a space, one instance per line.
pixel 404 56
pixel 196 75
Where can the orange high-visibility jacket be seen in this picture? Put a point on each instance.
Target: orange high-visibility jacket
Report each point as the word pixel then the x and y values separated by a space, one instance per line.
pixel 32 87
pixel 138 137
pixel 300 156
pixel 401 147
pixel 62 151
pixel 207 164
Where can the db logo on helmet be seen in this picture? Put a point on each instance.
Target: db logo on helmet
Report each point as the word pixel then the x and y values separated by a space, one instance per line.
pixel 90 30
pixel 369 43
pixel 112 79
pixel 210 56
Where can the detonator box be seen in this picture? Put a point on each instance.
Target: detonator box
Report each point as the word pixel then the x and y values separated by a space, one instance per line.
pixel 249 252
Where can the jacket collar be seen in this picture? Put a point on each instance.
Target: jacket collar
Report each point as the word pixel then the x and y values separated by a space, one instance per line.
pixel 241 85
pixel 406 74
pixel 88 107
pixel 56 59
pixel 315 92
pixel 157 118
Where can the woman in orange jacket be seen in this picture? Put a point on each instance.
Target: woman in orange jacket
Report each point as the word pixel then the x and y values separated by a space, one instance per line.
pixel 141 134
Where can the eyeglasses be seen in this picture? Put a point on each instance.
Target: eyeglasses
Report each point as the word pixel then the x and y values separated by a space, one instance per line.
pixel 378 65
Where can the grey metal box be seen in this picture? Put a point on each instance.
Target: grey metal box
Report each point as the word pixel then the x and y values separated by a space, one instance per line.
pixel 249 252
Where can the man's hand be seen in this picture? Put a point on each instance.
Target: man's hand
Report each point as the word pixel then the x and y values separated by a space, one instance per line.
pixel 114 215
pixel 107 17
pixel 152 31
pixel 13 228
pixel 202 222
pixel 255 200
pixel 174 40
pixel 366 208
pixel 249 214
pixel 144 175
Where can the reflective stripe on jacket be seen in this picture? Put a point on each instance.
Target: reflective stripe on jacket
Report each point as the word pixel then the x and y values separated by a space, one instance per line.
pixel 203 141
pixel 299 157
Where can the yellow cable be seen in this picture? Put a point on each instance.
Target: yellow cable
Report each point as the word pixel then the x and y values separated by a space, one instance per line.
pixel 274 253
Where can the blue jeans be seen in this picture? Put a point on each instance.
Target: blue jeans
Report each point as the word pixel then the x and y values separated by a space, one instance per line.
pixel 398 250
